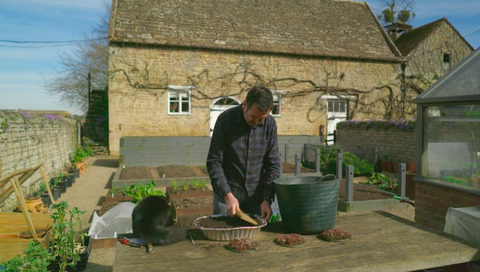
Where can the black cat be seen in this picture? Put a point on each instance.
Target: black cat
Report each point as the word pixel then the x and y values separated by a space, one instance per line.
pixel 153 221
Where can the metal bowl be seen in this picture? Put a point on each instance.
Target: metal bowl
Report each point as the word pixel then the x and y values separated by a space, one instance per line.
pixel 227 234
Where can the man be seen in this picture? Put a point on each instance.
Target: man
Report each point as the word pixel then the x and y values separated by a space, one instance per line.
pixel 243 160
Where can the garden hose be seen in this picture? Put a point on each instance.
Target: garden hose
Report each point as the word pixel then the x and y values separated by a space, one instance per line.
pixel 406 200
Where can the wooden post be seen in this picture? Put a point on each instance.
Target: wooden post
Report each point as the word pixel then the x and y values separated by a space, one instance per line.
pixel 47 183
pixel 21 201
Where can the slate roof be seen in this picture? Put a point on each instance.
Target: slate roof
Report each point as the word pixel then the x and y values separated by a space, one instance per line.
pixel 328 28
pixel 407 42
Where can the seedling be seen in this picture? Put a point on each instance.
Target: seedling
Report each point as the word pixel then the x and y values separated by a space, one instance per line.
pixel 115 189
pixel 201 184
pixel 185 185
pixel 140 191
pixel 195 184
pixel 175 186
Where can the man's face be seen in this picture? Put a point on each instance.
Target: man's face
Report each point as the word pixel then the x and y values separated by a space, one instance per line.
pixel 253 115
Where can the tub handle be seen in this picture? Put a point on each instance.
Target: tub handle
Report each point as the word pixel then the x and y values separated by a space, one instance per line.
pixel 329 175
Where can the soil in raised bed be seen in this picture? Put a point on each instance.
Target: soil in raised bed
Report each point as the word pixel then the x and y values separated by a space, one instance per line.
pixel 363 192
pixel 224 222
pixel 198 202
pixel 106 206
pixel 167 171
pixel 184 171
pixel 190 191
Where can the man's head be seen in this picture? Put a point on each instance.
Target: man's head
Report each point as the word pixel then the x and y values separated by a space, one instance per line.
pixel 258 105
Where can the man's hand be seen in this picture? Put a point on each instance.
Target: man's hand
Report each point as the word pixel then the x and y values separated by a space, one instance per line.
pixel 266 210
pixel 232 204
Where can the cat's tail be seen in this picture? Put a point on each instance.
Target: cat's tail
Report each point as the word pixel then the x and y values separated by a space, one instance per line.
pixel 166 235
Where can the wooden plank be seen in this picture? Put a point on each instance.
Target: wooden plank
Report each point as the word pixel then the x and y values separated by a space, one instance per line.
pixel 14 223
pixel 380 242
pixel 370 205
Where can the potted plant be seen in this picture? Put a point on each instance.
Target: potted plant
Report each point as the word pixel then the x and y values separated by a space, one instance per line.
pixel 32 202
pixel 62 183
pixel 44 196
pixel 35 258
pixel 69 243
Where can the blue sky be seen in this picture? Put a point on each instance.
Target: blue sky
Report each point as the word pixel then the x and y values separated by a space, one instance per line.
pixel 22 69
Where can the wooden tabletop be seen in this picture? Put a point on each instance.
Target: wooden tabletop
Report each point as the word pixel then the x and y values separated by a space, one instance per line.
pixel 380 242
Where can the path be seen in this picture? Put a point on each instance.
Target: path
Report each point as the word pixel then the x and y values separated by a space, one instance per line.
pixel 87 193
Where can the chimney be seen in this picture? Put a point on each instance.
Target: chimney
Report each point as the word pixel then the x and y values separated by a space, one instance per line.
pixel 397 29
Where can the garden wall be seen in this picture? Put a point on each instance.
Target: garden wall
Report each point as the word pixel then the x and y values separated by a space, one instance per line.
pixel 28 139
pixel 395 139
pixel 155 151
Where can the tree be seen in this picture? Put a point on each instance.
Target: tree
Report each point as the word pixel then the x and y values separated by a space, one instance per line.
pixel 397 11
pixel 70 82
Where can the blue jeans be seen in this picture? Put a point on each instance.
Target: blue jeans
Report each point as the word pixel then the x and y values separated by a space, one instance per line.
pixel 220 207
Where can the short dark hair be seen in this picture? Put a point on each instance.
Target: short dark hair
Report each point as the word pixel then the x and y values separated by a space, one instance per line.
pixel 261 96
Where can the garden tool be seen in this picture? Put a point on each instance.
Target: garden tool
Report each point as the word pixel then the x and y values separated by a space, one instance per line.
pixel 245 217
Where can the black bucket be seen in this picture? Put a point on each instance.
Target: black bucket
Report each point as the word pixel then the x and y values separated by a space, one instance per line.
pixel 307 205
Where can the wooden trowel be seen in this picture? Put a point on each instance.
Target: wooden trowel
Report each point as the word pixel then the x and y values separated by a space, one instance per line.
pixel 245 217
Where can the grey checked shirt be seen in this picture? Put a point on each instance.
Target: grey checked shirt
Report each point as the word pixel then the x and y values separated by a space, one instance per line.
pixel 243 160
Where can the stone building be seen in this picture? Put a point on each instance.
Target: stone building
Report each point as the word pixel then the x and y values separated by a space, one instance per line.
pixel 174 66
pixel 431 51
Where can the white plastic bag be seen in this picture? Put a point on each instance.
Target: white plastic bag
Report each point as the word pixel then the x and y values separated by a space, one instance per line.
pixel 464 223
pixel 116 221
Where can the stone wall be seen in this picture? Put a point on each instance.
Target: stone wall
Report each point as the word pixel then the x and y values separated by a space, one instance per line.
pixel 396 145
pixel 28 139
pixel 427 59
pixel 140 76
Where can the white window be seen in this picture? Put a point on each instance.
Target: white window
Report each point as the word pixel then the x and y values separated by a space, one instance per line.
pixel 277 103
pixel 337 106
pixel 179 100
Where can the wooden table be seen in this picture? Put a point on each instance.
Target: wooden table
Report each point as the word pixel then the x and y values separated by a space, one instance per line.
pixel 380 242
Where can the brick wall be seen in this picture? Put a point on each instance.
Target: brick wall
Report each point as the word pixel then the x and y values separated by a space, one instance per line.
pixel 432 203
pixel 135 110
pixel 398 146
pixel 28 139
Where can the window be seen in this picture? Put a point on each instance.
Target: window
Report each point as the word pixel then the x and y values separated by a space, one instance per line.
pixel 179 100
pixel 277 102
pixel 337 106
pixel 446 57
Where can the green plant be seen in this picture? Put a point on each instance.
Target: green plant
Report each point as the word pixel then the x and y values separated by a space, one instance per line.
pixel 36 258
pixel 65 227
pixel 115 190
pixel 175 186
pixel 195 184
pixel 201 184
pixel 328 161
pixel 382 181
pixel 185 185
pixel 138 192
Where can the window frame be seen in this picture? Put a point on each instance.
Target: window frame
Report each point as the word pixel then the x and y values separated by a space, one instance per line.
pixel 278 95
pixel 175 91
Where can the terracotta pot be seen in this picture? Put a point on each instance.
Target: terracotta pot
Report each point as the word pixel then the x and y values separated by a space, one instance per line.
pixel 31 203
pixel 395 167
pixel 412 167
